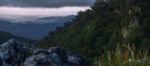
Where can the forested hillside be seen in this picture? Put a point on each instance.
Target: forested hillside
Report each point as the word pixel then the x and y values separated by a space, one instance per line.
pixel 5 36
pixel 106 24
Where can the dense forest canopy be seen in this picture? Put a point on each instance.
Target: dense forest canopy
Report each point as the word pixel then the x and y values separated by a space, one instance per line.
pixel 108 23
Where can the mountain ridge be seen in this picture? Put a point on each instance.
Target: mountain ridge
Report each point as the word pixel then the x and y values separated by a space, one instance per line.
pixel 34 30
pixel 5 36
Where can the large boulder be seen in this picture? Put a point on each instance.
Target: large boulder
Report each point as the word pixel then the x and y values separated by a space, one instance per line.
pixel 55 56
pixel 16 53
pixel 13 53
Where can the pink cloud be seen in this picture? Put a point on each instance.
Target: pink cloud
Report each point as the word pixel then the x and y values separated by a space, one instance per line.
pixel 62 11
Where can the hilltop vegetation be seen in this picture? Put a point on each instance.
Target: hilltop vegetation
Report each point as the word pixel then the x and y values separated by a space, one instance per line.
pixel 107 24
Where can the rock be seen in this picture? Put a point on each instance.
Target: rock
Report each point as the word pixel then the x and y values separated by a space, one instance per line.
pixel 55 56
pixel 15 53
pixel 40 59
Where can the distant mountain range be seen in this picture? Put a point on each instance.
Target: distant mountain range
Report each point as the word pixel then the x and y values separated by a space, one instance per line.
pixel 33 29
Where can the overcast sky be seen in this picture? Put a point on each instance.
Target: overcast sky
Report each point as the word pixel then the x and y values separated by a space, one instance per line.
pixel 46 3
pixel 24 11
pixel 11 8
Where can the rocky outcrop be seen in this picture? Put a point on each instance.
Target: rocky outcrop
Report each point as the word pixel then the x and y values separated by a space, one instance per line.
pixel 15 53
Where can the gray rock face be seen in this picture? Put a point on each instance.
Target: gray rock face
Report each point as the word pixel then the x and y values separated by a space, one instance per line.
pixel 14 53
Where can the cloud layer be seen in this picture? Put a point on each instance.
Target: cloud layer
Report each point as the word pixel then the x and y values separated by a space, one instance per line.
pixel 45 3
pixel 20 14
pixel 62 11
pixel 31 9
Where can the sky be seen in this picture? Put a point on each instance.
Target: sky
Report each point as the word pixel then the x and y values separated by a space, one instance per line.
pixel 45 3
pixel 43 7
pixel 21 14
pixel 43 12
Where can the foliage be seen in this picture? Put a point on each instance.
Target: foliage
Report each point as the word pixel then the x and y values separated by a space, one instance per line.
pixel 106 24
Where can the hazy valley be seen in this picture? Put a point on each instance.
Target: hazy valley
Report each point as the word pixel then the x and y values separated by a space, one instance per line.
pixel 33 29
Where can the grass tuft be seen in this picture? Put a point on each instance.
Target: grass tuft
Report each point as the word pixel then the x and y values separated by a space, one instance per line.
pixel 124 56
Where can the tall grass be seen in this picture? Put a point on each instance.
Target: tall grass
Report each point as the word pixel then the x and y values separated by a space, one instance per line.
pixel 124 56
